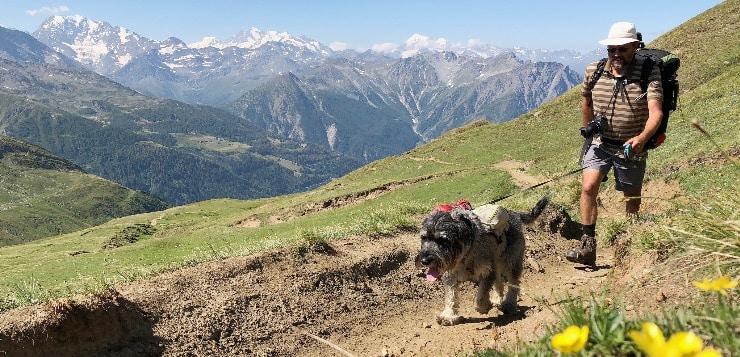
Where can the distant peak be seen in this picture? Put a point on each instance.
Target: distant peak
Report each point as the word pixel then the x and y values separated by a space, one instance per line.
pixel 416 38
pixel 77 18
pixel 255 38
pixel 419 41
pixel 59 20
pixel 209 41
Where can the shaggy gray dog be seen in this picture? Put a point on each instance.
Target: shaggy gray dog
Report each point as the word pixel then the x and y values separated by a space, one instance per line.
pixel 484 246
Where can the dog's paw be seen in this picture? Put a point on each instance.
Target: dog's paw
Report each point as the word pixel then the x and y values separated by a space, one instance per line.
pixel 508 308
pixel 449 320
pixel 484 307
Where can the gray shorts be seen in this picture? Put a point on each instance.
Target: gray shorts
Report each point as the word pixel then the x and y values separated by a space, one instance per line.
pixel 628 175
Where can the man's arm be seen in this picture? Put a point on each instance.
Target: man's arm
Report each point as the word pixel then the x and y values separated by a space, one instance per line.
pixel 587 110
pixel 655 114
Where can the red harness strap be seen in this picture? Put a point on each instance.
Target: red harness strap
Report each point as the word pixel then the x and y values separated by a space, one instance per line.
pixel 462 203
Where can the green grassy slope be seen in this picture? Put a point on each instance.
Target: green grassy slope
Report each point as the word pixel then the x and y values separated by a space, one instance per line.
pixel 390 195
pixel 42 195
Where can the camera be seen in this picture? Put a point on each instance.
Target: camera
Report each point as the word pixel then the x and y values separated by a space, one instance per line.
pixel 596 126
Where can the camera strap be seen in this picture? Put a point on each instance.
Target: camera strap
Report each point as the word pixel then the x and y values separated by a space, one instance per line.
pixel 586 143
pixel 618 88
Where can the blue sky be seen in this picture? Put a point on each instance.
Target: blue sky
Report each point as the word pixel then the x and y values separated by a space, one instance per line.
pixel 360 24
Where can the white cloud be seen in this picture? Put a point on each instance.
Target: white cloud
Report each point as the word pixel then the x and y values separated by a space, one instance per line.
pixel 474 43
pixel 338 46
pixel 51 10
pixel 385 47
pixel 416 42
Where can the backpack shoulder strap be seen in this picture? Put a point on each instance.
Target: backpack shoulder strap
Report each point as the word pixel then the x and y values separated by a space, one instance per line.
pixel 597 73
pixel 647 69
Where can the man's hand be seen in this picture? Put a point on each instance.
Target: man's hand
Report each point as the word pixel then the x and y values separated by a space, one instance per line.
pixel 637 144
pixel 655 114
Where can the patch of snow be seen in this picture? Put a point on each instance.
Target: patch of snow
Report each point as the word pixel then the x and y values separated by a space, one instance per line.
pixel 123 35
pixel 331 135
pixel 123 60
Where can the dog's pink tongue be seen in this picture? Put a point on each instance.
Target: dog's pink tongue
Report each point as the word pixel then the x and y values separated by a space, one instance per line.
pixel 432 274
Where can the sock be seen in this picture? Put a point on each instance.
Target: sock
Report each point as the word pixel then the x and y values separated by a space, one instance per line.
pixel 589 230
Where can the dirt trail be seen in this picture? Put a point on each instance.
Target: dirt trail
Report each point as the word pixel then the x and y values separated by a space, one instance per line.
pixel 362 294
pixel 516 170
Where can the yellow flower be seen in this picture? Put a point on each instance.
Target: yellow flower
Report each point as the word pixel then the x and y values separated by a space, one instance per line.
pixel 650 339
pixel 720 284
pixel 686 343
pixel 708 352
pixel 572 340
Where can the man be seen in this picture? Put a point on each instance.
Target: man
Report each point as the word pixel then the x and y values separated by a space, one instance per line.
pixel 618 118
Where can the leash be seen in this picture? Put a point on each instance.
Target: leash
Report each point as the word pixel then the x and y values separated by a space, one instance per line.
pixel 535 186
pixel 611 157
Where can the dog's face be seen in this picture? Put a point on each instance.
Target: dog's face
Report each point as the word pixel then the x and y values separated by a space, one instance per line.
pixel 445 238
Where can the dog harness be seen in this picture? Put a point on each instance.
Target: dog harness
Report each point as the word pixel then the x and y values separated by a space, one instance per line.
pixel 462 203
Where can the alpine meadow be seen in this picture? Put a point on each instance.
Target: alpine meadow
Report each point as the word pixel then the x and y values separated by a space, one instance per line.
pixel 330 271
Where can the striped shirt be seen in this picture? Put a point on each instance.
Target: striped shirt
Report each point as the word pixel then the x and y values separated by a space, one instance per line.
pixel 622 101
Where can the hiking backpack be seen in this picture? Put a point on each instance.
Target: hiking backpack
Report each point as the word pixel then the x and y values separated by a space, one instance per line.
pixel 668 64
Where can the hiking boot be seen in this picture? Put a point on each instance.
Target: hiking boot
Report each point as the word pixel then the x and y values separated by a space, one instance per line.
pixel 585 254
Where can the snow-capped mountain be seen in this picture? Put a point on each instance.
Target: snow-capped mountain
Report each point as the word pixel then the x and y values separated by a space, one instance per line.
pixel 208 72
pixel 367 105
pixel 98 45
pixel 256 38
pixel 107 49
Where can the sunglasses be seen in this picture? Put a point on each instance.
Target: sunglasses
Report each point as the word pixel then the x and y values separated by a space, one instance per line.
pixel 617 49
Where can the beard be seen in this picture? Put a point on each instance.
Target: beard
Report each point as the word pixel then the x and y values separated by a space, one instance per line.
pixel 619 63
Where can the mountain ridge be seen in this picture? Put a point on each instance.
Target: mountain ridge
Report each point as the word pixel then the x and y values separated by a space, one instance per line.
pixel 87 40
pixel 439 91
pixel 255 38
pixel 421 97
pixel 153 145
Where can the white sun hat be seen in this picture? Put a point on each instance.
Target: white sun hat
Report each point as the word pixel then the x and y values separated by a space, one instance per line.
pixel 621 33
